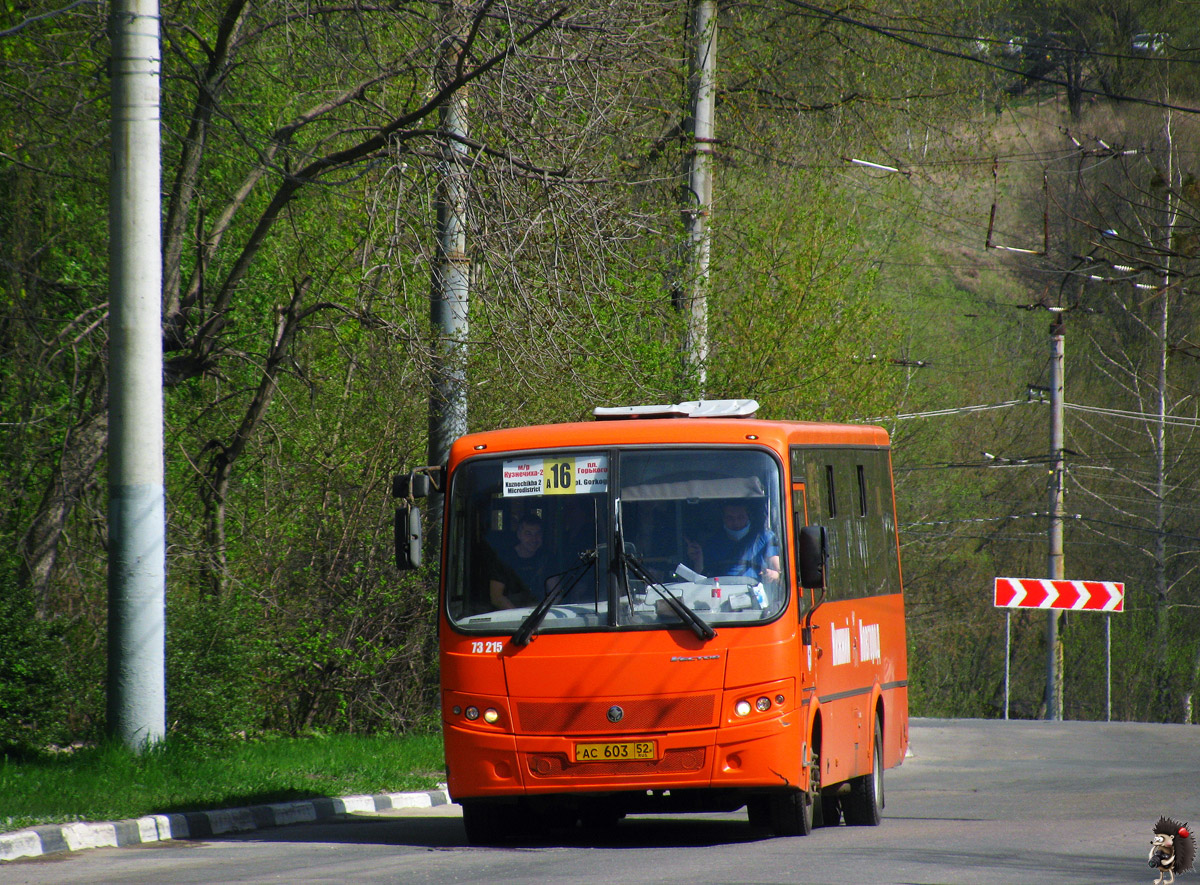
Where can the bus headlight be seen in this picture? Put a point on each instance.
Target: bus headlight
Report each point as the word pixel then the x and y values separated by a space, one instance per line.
pixel 763 704
pixel 490 716
pixel 472 713
pixel 742 708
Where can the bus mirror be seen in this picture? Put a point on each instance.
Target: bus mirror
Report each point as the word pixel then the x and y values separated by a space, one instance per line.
pixel 408 536
pixel 812 545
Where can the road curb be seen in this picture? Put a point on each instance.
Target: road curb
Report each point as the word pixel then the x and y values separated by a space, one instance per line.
pixel 57 838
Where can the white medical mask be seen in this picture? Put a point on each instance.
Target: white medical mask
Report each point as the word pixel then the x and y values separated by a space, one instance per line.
pixel 738 534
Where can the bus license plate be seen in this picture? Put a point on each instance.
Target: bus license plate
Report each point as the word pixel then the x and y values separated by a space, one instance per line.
pixel 615 751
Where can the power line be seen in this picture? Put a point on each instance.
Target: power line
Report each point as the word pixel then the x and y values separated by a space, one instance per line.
pixel 976 519
pixel 1081 519
pixel 960 410
pixel 1173 420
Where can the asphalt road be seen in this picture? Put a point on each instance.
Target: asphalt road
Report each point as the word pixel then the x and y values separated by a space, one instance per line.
pixel 977 802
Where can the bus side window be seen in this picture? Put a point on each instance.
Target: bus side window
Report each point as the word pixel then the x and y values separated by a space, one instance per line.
pixel 799 518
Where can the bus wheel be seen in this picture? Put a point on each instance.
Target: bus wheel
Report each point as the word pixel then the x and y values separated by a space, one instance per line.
pixel 488 823
pixel 790 813
pixel 863 806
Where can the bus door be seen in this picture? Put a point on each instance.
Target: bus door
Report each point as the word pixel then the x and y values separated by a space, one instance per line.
pixel 828 679
pixel 804 598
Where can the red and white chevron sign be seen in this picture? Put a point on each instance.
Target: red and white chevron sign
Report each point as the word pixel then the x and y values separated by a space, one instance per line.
pixel 1089 596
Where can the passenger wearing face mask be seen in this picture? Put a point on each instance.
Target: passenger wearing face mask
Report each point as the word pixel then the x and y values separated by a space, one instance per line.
pixel 736 549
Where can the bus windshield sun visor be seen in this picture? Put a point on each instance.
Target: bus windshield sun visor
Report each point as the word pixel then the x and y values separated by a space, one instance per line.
pixel 691 489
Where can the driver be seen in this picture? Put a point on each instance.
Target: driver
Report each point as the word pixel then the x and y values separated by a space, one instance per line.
pixel 737 549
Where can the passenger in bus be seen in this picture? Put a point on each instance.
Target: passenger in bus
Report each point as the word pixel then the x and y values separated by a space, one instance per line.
pixel 520 578
pixel 737 548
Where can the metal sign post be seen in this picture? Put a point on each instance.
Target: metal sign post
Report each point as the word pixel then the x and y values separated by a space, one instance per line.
pixel 1007 655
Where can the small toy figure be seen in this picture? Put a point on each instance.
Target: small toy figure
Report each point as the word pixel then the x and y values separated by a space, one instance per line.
pixel 1172 850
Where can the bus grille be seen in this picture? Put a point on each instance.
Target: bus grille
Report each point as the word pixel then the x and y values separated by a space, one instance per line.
pixel 591 717
pixel 558 765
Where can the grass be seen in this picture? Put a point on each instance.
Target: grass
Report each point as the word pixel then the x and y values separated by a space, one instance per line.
pixel 111 782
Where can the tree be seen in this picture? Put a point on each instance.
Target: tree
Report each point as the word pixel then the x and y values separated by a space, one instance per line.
pixel 303 146
pixel 265 289
pixel 1110 48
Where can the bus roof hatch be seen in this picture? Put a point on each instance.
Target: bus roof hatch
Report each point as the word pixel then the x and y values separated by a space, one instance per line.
pixel 713 408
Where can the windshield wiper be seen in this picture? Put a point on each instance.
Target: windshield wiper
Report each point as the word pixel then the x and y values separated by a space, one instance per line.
pixel 699 626
pixel 533 620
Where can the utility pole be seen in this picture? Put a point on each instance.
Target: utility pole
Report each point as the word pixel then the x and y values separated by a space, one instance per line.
pixel 1054 649
pixel 692 297
pixel 450 293
pixel 136 501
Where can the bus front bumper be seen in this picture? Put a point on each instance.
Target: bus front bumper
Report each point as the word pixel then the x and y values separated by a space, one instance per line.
pixel 758 755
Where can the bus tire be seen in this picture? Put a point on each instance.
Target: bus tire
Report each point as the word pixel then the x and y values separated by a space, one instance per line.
pixel 863 806
pixel 791 813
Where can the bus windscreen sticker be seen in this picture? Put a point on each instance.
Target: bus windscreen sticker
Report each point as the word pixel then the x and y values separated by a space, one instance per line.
pixel 570 475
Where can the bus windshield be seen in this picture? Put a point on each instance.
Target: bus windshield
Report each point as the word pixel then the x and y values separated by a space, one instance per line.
pixel 615 539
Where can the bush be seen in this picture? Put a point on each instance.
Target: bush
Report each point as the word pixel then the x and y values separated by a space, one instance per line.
pixel 214 661
pixel 31 682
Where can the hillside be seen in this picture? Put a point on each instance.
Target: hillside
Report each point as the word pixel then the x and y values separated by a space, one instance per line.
pixel 971 485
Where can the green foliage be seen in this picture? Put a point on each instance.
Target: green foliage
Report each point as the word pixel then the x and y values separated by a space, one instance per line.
pixel 217 651
pixel 32 692
pixel 796 321
pixel 836 293
pixel 1115 50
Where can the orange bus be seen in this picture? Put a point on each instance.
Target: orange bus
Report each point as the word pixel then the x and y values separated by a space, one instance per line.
pixel 670 608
